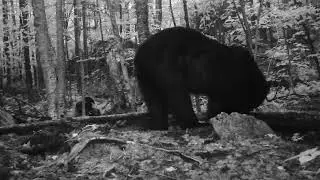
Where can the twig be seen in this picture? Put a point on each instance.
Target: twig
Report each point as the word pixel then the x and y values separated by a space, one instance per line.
pixel 175 152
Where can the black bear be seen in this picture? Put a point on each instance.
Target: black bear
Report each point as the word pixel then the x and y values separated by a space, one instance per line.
pixel 178 61
pixel 90 110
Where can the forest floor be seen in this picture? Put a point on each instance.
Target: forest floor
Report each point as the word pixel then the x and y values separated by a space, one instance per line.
pixel 96 152
pixel 101 152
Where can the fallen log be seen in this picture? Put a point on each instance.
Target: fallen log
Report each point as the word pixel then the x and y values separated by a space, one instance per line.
pixel 278 121
pixel 70 122
pixel 290 121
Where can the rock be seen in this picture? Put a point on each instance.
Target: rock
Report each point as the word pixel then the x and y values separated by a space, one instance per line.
pixel 239 126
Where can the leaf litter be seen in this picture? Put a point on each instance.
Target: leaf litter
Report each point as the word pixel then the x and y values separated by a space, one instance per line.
pixel 97 153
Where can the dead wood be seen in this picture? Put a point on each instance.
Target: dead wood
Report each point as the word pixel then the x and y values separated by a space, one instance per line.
pixel 5 118
pixel 70 122
pixel 290 121
pixel 279 121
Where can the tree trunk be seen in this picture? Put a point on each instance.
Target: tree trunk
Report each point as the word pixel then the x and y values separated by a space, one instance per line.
pixel 113 65
pixel 7 69
pixel 120 19
pixel 185 9
pixel 197 17
pixel 158 14
pixel 23 4
pixel 245 24
pixel 2 61
pixel 257 30
pixel 172 15
pixel 77 33
pixel 100 22
pixel 14 52
pixel 85 54
pixel 285 35
pixel 61 67
pixel 142 20
pixel 40 73
pixel 46 54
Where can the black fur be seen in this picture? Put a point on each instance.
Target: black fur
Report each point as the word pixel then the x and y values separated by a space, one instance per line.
pixel 178 61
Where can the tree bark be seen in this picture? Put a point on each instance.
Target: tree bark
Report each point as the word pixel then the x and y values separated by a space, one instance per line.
pixel 186 16
pixel 120 19
pixel 25 33
pixel 77 33
pixel 40 73
pixel 142 20
pixel 257 29
pixel 100 22
pixel 16 64
pixel 197 17
pixel 172 15
pixel 7 69
pixel 85 54
pixel 158 8
pixel 61 66
pixel 2 61
pixel 46 54
pixel 245 24
pixel 285 35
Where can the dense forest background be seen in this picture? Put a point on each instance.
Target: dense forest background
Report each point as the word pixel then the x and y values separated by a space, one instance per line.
pixel 55 53
pixel 58 56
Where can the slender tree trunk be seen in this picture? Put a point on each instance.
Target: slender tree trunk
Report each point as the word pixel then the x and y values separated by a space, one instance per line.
pixel 285 35
pixel 25 33
pixel 120 19
pixel 61 66
pixel 7 69
pixel 46 54
pixel 142 20
pixel 158 14
pixel 2 61
pixel 100 22
pixel 40 73
pixel 172 15
pixel 77 33
pixel 245 24
pixel 85 54
pixel 14 22
pixel 257 29
pixel 102 40
pixel 85 34
pixel 185 9
pixel 197 17
pixel 68 62
pixel 14 52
